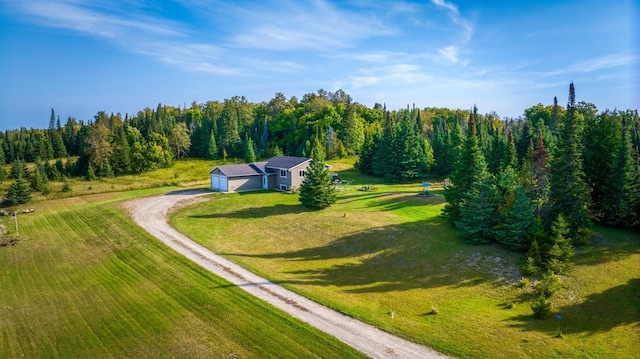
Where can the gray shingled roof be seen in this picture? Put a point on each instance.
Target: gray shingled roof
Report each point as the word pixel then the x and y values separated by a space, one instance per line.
pixel 286 162
pixel 238 170
pixel 256 168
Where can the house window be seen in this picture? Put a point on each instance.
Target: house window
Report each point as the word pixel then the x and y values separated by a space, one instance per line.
pixel 301 173
pixel 283 187
pixel 283 173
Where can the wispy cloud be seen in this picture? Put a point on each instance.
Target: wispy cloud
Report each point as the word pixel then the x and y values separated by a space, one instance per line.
pixel 598 63
pixel 456 18
pixel 316 25
pixel 81 17
pixel 164 39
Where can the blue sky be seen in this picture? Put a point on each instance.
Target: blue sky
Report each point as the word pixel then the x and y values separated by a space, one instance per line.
pixel 83 56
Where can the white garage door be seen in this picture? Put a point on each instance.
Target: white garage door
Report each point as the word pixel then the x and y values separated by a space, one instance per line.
pixel 219 183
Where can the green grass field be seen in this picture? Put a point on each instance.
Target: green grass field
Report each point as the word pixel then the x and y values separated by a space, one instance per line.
pixel 373 253
pixel 85 282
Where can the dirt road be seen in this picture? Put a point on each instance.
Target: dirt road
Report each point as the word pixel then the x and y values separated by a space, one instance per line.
pixel 151 214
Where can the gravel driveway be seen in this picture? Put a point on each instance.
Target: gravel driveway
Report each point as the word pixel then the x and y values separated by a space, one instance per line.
pixel 151 214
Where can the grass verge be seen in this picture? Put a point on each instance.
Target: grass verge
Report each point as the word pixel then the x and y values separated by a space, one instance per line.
pixel 388 251
pixel 85 282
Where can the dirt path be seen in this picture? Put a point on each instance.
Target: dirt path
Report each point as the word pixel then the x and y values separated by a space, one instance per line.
pixel 151 214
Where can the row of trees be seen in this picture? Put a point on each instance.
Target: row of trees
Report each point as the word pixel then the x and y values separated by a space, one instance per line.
pixel 402 144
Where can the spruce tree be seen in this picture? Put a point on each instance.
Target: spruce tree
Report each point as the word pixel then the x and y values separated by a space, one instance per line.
pixel 617 188
pixel 515 222
pixel 569 192
pixel 469 168
pixel 249 154
pixel 364 163
pixel 560 251
pixel 473 198
pixel 212 151
pixel 410 159
pixel 19 192
pixel 317 190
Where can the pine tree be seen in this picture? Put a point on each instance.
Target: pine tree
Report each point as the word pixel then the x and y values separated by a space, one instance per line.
pixel 91 174
pixel 410 159
pixel 249 154
pixel 561 251
pixel 569 192
pixel 317 190
pixel 364 164
pixel 617 187
pixel 384 160
pixel 19 169
pixel 39 179
pixel 515 222
pixel 120 156
pixel 473 198
pixel 212 151
pixel 19 192
pixel 470 167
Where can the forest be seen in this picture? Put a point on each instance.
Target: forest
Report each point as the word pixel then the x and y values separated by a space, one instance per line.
pixel 515 174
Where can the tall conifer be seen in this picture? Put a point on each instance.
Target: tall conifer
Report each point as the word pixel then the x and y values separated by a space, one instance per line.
pixel 569 192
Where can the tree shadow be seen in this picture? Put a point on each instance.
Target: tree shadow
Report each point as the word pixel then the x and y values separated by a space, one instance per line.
pixel 599 312
pixel 609 246
pixel 257 212
pixel 393 258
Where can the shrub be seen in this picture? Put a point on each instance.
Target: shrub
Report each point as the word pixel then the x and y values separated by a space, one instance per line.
pixel 541 306
pixel 549 284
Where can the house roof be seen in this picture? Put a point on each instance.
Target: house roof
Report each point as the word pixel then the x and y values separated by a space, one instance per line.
pixel 286 162
pixel 258 168
pixel 238 170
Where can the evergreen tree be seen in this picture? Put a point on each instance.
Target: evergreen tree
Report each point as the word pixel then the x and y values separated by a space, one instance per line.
pixel 105 170
pixel 617 187
pixel 39 179
pixel 120 155
pixel 384 160
pixel 19 192
pixel 410 159
pixel 249 153
pixel 91 174
pixel 364 163
pixel 212 151
pixel 19 169
pixel 560 251
pixel 469 168
pixel 317 190
pixel 472 199
pixel 516 221
pixel 569 193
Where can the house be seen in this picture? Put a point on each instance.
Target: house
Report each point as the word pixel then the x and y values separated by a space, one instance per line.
pixel 283 173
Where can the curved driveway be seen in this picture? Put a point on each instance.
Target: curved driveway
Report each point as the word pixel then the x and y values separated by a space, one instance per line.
pixel 151 214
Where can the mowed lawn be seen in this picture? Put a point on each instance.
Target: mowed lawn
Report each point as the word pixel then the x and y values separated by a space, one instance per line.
pixel 374 254
pixel 86 282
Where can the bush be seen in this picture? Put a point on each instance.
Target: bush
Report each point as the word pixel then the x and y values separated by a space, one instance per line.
pixel 530 268
pixel 549 284
pixel 524 283
pixel 541 306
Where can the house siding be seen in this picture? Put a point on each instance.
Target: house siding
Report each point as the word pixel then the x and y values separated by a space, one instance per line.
pixel 245 183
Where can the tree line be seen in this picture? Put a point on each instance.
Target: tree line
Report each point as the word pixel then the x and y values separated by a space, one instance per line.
pixel 402 144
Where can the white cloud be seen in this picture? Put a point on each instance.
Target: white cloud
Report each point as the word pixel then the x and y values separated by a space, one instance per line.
pixel 449 54
pixel 598 63
pixel 316 25
pixel 456 18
